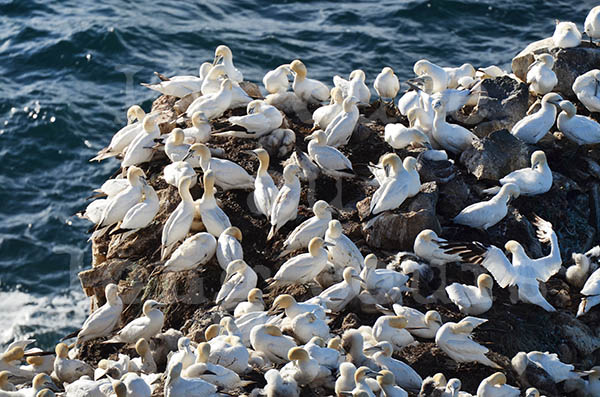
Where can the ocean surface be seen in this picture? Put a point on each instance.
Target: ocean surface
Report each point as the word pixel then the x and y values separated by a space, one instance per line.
pixel 70 69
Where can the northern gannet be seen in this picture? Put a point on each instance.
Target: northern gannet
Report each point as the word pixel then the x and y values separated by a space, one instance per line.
pixel 193 252
pixel 591 26
pixel 199 132
pixel 146 326
pixel 451 137
pixel 566 35
pixel 301 367
pixel 339 295
pixel 136 386
pixel 353 343
pixel 175 147
pixel 140 150
pixel 355 87
pixel 293 308
pixel 405 376
pixel 270 342
pixel 229 247
pixel 312 227
pixel 276 80
pixel 340 130
pixel 5 384
pixel 125 135
pixel 277 386
pixel 240 279
pixel 419 324
pixel 379 282
pixel 427 246
pixel 437 74
pixel 303 268
pixel 309 90
pixel 145 362
pixel 532 392
pixel 212 373
pixel 386 84
pixel 184 354
pixel 214 219
pixel 472 300
pixel 342 252
pixel 399 137
pixel 495 386
pixel 9 361
pixel 265 190
pixel 531 181
pixel 324 115
pixel 213 105
pixel 254 303
pixel 67 370
pixel 456 341
pixel 175 172
pixel 548 362
pixel 455 74
pixel 102 321
pixel 591 294
pixel 176 386
pixel 326 356
pixel 227 350
pixel 485 214
pixel 179 222
pixel 223 52
pixel 142 214
pixel 330 161
pixel 117 207
pixel 580 129
pixel 285 206
pixel 540 76
pixel 362 388
pixel 532 128
pixel 523 272
pixel 394 190
pixel 392 329
pixel 228 175
pixel 387 383
pixel 586 89
pixel 260 120
pixel 212 85
pixel 180 86
pixel 577 273
pixel 39 383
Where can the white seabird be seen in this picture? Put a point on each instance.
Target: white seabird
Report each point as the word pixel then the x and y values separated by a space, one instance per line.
pixel 392 193
pixel 180 86
pixel 566 35
pixel 229 247
pixel 179 222
pixel 261 119
pixel 355 87
pixel 142 214
pixel 586 89
pixel 340 130
pixel 140 150
pixel 67 370
pixel 379 282
pixel 215 220
pixel 270 342
pixel 175 172
pixel 255 303
pixel 176 386
pixel 199 132
pixel 455 74
pixel 485 214
pixel 224 53
pixel 285 206
pixel 309 90
pixel 437 73
pixel 265 190
pixel 591 294
pixel 342 252
pixel 591 26
pixel 212 85
pixel 523 272
pixel 215 104
pixel 472 300
pixel 303 268
pixel 293 308
pixel 240 279
pixel 540 76
pixel 495 386
pixel 118 206
pixel 175 147
pixel 102 321
pixel 392 329
pixel 532 128
pixel 531 181
pixel 125 135
pixel 228 175
pixel 580 129
pixel 451 137
pixel 146 326
pixel 399 137
pixel 329 160
pixel 339 295
pixel 195 251
pixel 387 383
pixel 312 227
pixel 324 115
pixel 386 84
pixel 419 324
pixel 428 246
pixel 405 376
pixel 276 80
pixel 456 341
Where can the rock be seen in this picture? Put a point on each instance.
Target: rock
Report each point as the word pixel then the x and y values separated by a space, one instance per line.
pixel 165 105
pixel 435 171
pixel 453 196
pixel 517 227
pixel 397 229
pixel 495 156
pixel 503 102
pixel 362 131
pixel 569 63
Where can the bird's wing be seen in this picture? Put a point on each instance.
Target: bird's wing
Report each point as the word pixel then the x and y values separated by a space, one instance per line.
pixel 473 321
pixel 251 122
pixel 228 287
pixel 549 265
pixel 330 158
pixel 465 346
pixel 342 83
pixel 98 320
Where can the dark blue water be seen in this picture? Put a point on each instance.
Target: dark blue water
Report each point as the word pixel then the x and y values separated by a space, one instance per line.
pixel 70 69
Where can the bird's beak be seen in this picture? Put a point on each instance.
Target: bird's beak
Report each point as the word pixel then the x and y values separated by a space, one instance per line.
pixel 217 59
pixel 373 374
pixel 249 152
pixel 334 210
pixel 328 244
pixel 161 304
pixel 308 137
pixel 373 349
pixel 189 154
pixel 358 278
pixel 535 165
